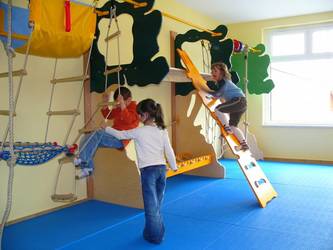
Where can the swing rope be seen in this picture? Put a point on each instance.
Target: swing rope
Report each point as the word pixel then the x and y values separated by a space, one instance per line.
pixel 25 63
pixel 205 52
pixel 51 99
pixel 246 81
pixel 11 162
pixel 210 125
pixel 113 14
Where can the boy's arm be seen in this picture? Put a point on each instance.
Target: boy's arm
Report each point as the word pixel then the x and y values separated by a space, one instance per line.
pixel 217 89
pixel 212 85
pixel 169 153
pixel 107 113
pixel 129 114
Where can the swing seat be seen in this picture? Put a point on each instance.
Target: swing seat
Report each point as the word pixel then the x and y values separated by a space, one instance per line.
pixel 49 36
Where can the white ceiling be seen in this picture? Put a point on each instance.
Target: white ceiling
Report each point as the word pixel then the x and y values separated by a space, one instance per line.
pixel 236 11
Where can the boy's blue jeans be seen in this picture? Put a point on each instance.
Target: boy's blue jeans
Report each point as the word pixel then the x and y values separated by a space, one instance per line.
pixel 153 181
pixel 90 142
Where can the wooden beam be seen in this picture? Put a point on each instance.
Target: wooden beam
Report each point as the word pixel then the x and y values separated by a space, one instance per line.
pixel 173 93
pixel 69 79
pixel 179 75
pixel 87 114
pixel 20 72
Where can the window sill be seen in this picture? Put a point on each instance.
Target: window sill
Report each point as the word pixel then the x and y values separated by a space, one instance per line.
pixel 295 125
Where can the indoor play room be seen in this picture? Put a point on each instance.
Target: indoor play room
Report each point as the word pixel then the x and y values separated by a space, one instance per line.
pixel 245 95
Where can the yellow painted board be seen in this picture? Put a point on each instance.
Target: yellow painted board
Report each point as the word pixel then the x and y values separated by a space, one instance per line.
pixel 189 165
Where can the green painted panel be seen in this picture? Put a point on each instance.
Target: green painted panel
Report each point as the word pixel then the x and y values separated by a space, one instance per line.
pixel 143 70
pixel 220 51
pixel 258 63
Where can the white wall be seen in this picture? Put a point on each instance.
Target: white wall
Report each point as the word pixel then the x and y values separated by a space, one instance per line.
pixel 308 143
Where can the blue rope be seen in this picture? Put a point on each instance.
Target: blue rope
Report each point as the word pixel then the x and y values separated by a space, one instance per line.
pixel 30 154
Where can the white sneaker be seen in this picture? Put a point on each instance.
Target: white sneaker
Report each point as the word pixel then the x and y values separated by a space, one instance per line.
pixel 83 173
pixel 77 161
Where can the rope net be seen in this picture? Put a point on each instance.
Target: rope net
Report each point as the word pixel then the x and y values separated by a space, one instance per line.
pixel 34 153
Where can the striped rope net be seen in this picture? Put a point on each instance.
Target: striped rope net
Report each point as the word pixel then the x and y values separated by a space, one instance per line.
pixel 30 154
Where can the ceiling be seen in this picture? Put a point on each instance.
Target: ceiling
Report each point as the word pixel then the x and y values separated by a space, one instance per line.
pixel 236 11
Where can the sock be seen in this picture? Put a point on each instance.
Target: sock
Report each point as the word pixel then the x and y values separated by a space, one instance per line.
pixel 77 161
pixel 84 172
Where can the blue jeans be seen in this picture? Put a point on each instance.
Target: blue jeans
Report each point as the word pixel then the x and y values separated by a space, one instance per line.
pixel 153 180
pixel 90 142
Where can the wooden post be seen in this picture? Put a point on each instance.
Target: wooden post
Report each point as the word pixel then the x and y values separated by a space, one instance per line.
pixel 173 93
pixel 87 114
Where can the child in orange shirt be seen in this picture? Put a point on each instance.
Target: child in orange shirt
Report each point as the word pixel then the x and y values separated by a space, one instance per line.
pixel 124 117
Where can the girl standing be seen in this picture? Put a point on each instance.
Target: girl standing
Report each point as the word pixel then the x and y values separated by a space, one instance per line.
pixel 152 144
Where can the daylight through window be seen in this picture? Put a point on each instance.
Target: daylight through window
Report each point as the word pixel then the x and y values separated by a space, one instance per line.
pixel 301 68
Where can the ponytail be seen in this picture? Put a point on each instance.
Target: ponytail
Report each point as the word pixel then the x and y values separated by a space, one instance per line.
pixel 159 117
pixel 153 109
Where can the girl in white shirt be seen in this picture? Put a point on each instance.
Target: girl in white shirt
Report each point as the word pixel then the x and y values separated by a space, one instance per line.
pixel 152 145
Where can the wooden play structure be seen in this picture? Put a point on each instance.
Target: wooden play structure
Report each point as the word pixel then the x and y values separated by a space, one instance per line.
pixel 195 156
pixel 107 186
pixel 116 177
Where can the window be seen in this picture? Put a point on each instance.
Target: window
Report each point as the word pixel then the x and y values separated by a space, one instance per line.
pixel 302 70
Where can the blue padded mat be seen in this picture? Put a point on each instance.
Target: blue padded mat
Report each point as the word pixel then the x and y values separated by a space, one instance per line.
pixel 240 238
pixel 181 233
pixel 63 226
pixel 224 201
pixel 200 213
pixel 287 173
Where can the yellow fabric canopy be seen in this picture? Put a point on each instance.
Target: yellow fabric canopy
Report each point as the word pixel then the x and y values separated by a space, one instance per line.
pixel 49 38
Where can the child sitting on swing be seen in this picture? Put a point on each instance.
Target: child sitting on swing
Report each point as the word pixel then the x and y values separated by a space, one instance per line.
pixel 124 117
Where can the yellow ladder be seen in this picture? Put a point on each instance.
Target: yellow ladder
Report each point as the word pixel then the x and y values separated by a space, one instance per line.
pixel 259 183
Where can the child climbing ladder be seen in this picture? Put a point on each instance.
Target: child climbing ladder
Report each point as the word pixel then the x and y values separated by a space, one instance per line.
pixel 256 178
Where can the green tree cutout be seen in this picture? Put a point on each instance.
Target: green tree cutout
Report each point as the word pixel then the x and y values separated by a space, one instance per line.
pixel 258 82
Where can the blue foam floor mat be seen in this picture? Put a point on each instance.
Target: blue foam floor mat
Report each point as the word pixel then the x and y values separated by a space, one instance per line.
pixel 200 213
pixel 128 235
pixel 57 228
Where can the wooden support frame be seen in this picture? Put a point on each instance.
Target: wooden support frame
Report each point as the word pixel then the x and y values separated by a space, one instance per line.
pixel 117 179
pixel 184 130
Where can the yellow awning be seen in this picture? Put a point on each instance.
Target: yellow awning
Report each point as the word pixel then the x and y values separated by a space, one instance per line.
pixel 49 38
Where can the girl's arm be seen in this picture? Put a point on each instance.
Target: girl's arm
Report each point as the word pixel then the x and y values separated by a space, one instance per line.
pixel 121 135
pixel 169 153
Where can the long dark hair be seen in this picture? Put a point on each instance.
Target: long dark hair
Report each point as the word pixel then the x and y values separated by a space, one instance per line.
pixel 154 111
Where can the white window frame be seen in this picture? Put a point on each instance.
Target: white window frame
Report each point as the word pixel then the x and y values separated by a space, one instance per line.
pixel 308 31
